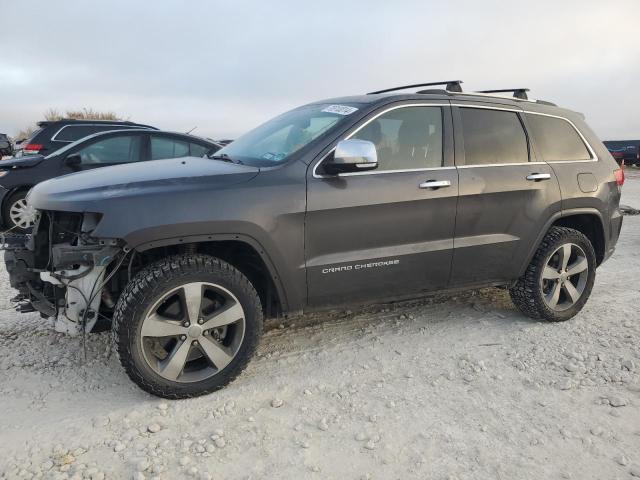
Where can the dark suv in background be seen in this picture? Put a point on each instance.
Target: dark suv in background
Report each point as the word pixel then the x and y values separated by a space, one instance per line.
pixel 53 135
pixel 358 199
pixel 627 151
pixel 116 147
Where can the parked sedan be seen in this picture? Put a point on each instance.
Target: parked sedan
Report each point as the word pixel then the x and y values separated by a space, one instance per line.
pixel 17 176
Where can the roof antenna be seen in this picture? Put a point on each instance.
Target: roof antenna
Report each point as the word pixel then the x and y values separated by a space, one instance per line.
pixel 189 132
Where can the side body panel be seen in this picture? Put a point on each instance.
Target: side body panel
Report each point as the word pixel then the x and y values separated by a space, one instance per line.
pixel 589 187
pixel 500 213
pixel 273 224
pixel 377 235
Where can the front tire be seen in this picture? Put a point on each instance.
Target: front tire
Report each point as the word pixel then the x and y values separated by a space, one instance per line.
pixel 559 279
pixel 186 326
pixel 17 215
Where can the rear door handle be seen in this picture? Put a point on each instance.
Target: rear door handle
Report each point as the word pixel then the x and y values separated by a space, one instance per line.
pixel 536 177
pixel 435 184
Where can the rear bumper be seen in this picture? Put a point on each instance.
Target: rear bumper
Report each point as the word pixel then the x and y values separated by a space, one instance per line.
pixel 614 233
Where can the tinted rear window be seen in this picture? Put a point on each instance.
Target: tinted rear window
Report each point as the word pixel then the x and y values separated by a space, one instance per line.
pixel 71 133
pixel 556 139
pixel 163 147
pixel 493 136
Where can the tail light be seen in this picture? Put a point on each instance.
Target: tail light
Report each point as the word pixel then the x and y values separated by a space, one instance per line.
pixel 31 148
pixel 619 174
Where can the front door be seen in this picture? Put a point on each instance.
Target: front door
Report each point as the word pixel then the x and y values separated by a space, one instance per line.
pixel 387 232
pixel 506 196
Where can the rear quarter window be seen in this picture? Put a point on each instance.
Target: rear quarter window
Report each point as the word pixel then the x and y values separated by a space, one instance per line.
pixel 557 139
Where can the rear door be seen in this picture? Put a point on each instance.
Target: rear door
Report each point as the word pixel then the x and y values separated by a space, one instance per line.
pixel 386 232
pixel 506 194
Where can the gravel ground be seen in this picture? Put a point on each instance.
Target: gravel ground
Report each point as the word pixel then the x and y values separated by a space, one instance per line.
pixel 455 387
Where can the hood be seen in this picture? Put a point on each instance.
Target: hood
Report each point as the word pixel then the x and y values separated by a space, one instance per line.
pixel 89 191
pixel 22 162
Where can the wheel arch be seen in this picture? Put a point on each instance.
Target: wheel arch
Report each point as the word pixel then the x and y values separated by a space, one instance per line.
pixel 590 224
pixel 240 250
pixel 586 220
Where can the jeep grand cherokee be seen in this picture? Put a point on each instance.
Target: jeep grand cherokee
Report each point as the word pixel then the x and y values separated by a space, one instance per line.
pixel 360 199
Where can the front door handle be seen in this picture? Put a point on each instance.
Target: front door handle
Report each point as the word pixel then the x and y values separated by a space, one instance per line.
pixel 435 184
pixel 536 177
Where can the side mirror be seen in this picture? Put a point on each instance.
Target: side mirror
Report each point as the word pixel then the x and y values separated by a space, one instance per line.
pixel 352 156
pixel 73 161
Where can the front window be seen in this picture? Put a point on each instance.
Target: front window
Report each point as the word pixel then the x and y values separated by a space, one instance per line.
pixel 274 141
pixel 112 150
pixel 406 138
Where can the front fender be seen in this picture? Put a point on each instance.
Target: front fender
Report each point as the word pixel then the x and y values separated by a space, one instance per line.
pixel 219 237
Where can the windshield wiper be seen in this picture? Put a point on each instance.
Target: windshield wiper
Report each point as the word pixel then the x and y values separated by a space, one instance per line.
pixel 225 158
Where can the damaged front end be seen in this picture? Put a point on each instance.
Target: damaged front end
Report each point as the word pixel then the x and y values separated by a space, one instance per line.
pixel 60 270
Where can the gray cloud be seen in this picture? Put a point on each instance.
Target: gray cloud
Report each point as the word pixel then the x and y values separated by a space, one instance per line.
pixel 225 67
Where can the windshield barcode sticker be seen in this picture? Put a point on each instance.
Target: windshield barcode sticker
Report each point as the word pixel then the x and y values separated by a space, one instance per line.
pixel 340 109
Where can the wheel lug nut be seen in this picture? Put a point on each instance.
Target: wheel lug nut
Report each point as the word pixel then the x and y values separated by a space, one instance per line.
pixel 195 342
pixel 206 332
pixel 183 337
pixel 200 321
pixel 186 324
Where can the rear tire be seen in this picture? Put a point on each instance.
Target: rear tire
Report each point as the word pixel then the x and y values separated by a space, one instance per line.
pixel 160 328
pixel 559 279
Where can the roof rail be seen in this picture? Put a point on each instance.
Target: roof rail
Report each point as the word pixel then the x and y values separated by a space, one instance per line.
pixel 451 86
pixel 520 93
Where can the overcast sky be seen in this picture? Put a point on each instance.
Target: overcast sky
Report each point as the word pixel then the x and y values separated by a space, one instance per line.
pixel 224 67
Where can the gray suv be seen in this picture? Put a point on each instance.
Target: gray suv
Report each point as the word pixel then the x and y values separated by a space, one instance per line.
pixel 368 198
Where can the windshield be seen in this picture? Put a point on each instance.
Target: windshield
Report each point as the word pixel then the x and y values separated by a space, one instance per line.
pixel 274 141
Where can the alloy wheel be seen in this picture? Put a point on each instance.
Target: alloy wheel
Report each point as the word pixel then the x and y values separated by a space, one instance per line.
pixel 192 332
pixel 564 277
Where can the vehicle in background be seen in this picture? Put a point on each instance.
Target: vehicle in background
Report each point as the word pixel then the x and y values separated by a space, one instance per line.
pixel 53 135
pixel 6 147
pixel 624 150
pixel 18 175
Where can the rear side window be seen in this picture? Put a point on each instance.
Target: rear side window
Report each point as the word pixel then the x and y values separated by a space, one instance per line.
pixel 557 139
pixel 71 133
pixel 112 150
pixel 493 137
pixel 406 138
pixel 163 147
pixel 197 150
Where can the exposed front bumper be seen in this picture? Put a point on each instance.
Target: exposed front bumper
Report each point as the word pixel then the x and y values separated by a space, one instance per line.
pixel 60 278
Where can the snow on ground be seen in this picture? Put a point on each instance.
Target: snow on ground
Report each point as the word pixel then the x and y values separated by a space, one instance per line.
pixel 450 387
